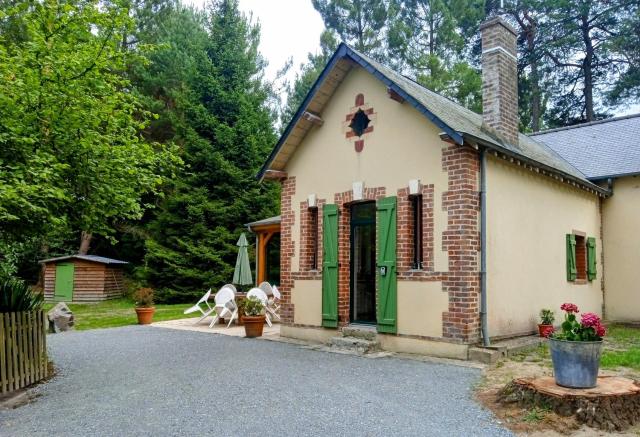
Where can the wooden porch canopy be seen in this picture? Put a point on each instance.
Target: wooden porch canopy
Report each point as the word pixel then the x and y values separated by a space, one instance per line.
pixel 264 229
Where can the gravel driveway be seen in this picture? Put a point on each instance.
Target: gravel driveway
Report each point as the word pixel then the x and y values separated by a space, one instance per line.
pixel 154 381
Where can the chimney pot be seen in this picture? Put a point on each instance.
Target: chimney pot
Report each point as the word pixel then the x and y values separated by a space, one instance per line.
pixel 500 78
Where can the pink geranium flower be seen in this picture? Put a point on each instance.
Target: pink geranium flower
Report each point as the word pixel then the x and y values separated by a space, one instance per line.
pixel 569 307
pixel 590 320
pixel 601 331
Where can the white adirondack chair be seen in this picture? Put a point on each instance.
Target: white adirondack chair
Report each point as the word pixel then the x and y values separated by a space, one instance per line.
pixel 262 296
pixel 225 304
pixel 273 296
pixel 266 287
pixel 274 306
pixel 197 307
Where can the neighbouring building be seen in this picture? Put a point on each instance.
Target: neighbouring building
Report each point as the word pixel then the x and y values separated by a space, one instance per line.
pixel 82 278
pixel 441 227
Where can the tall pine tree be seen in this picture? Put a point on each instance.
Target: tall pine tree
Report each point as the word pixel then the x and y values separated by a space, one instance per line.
pixel 208 76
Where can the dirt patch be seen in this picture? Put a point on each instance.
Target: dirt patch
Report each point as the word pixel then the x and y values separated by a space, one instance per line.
pixel 535 421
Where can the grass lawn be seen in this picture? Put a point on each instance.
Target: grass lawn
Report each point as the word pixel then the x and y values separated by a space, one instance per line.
pixel 117 312
pixel 622 348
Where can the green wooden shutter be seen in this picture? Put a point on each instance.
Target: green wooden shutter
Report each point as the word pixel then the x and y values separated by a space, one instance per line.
pixel 591 258
pixel 387 282
pixel 330 266
pixel 572 271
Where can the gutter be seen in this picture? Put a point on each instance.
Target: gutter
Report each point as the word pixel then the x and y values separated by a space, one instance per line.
pixel 484 325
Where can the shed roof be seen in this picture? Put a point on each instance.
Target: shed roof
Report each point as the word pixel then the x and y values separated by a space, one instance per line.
pixel 457 122
pixel 93 258
pixel 600 149
pixel 264 222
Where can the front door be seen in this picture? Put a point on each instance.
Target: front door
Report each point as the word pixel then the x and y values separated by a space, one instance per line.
pixel 63 290
pixel 363 263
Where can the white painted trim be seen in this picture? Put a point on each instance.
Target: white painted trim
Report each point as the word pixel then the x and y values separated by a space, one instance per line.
pixel 499 49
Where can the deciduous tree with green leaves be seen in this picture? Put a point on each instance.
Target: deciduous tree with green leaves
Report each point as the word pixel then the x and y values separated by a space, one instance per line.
pixel 71 154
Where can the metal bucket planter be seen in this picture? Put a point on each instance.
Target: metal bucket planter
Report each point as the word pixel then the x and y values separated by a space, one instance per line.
pixel 575 363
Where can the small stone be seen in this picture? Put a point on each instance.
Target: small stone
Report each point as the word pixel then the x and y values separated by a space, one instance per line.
pixel 60 318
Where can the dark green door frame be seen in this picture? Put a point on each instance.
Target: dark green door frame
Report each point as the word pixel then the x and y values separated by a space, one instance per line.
pixel 360 221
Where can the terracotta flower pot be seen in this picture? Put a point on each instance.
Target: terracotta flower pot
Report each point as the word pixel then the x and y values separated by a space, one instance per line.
pixel 543 328
pixel 145 315
pixel 253 326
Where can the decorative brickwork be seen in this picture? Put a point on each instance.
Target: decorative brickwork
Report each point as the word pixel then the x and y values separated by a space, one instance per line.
pixel 307 245
pixel 350 132
pixel 343 201
pixel 462 241
pixel 287 248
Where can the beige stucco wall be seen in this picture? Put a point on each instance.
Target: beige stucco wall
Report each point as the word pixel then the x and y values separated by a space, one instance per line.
pixel 306 298
pixel 413 298
pixel 620 225
pixel 402 146
pixel 528 216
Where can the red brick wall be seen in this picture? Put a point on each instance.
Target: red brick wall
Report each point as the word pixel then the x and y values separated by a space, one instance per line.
pixel 461 240
pixel 287 248
pixel 406 232
pixel 306 270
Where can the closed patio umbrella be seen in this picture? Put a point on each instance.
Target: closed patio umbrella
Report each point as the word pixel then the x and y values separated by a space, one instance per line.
pixel 242 273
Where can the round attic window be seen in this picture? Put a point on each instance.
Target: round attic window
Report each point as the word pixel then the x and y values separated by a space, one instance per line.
pixel 359 123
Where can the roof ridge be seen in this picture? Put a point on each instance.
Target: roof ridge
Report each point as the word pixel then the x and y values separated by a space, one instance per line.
pixel 580 125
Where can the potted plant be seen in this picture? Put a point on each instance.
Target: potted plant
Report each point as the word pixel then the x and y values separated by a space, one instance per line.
pixel 576 348
pixel 547 317
pixel 143 299
pixel 253 318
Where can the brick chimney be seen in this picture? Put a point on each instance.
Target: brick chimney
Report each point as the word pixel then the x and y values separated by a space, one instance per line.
pixel 500 78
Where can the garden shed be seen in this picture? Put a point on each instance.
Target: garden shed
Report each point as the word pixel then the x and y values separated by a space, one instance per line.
pixel 82 278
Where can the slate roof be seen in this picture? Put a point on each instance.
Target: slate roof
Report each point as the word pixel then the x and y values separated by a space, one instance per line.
pixel 468 123
pixel 600 149
pixel 456 121
pixel 94 258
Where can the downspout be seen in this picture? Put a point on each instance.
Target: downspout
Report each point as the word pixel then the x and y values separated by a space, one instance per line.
pixel 484 326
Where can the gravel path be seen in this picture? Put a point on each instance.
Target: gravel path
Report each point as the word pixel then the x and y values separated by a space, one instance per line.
pixel 154 381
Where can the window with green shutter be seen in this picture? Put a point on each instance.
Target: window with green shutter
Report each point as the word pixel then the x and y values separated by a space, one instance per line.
pixel 572 272
pixel 591 258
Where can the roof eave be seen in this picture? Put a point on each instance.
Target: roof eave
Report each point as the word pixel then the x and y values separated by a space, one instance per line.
pixel 498 148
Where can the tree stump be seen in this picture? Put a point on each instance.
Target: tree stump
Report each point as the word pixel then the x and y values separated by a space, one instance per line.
pixel 613 405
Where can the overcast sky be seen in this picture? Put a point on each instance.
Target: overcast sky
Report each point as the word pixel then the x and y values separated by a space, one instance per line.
pixel 289 28
pixel 292 28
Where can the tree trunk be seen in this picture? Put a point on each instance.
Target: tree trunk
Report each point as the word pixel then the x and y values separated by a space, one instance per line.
pixel 587 67
pixel 85 242
pixel 535 80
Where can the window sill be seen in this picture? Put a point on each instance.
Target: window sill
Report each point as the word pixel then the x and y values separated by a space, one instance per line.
pixel 579 282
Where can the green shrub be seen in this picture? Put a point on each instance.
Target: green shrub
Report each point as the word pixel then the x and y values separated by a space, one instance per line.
pixel 16 295
pixel 143 298
pixel 252 306
pixel 169 296
pixel 547 317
